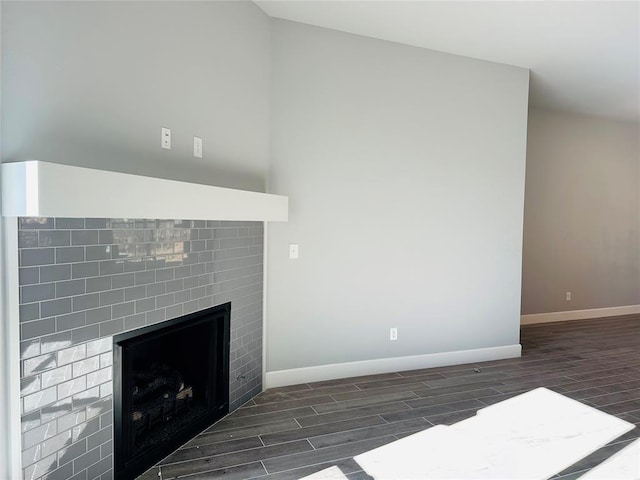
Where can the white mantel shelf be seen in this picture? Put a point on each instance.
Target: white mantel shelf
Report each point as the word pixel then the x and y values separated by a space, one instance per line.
pixel 41 189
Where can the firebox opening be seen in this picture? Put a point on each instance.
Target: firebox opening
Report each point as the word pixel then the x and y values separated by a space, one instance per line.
pixel 170 381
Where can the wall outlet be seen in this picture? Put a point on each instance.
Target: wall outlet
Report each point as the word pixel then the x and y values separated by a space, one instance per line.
pixel 165 140
pixel 568 296
pixel 393 334
pixel 197 147
pixel 294 250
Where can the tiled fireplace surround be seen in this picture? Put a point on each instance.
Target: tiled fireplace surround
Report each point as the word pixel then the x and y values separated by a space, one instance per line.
pixel 83 280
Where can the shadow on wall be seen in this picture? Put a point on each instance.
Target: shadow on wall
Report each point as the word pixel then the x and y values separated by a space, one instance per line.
pixel 88 414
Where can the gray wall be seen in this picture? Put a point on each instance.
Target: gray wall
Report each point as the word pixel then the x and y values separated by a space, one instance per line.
pixel 91 83
pixel 83 281
pixel 582 213
pixel 405 173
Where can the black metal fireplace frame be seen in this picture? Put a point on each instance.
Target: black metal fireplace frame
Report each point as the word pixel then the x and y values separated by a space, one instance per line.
pixel 129 468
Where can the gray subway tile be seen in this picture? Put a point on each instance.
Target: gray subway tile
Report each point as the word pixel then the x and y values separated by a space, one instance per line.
pixel 70 321
pixel 39 434
pixel 38 364
pixel 31 455
pixel 39 399
pixel 155 289
pixel 190 307
pixel 111 267
pixel 72 387
pixel 98 252
pixel 28 276
pixel 96 347
pixel 69 223
pixel 165 300
pixel 97 315
pixel 29 349
pixel 38 328
pixel 205 234
pixel 98 377
pixel 205 302
pixel 53 273
pixel 107 447
pixel 135 293
pixel 69 288
pixel 85 461
pixel 56 376
pixel 72 354
pixel 54 444
pixel 134 265
pixel 92 426
pixel 30 223
pixel 55 342
pixel 198 269
pixel 85 302
pixel 198 245
pixel 98 284
pixel 220 233
pixel 100 468
pixel 164 274
pixel 97 223
pixel 123 309
pixel 61 473
pixel 175 285
pixel 122 223
pixel 30 421
pixel 183 296
pixel 29 311
pixel 88 365
pixel 84 237
pixel 174 311
pixel 84 399
pixel 123 280
pixel 145 305
pixel 145 277
pixel 73 419
pixel 182 272
pixel 105 237
pixel 82 476
pixel 190 282
pixel 83 270
pixel 27 238
pixel 112 296
pixel 54 238
pixel 51 308
pixel 30 385
pixel 134 321
pixel 198 293
pixel 85 334
pixel 70 453
pixel 37 256
pixel 69 254
pixel 156 316
pixel 155 263
pixel 112 328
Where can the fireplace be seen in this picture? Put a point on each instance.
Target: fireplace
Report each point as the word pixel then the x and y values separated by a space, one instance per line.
pixel 171 380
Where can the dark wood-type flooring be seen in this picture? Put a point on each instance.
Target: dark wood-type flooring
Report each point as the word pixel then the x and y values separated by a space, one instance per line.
pixel 291 432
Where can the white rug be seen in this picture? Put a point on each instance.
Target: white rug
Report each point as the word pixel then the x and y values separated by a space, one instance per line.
pixel 529 437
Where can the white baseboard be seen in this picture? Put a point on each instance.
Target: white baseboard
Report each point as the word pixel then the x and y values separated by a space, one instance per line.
pixel 578 314
pixel 294 376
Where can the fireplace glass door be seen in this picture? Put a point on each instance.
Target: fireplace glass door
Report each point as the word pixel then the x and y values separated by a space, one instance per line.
pixel 170 382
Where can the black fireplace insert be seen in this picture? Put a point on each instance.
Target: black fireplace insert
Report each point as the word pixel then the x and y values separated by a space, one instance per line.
pixel 170 381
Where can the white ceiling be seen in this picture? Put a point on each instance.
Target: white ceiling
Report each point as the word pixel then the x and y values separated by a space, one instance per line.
pixel 584 56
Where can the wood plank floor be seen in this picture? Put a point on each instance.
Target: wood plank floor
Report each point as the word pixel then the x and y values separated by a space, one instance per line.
pixel 291 432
